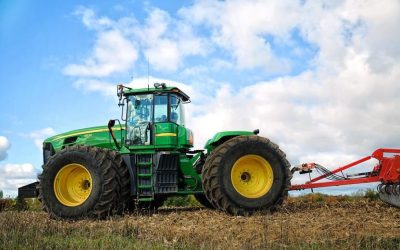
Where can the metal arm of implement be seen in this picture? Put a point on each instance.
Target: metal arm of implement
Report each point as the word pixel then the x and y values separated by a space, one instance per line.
pixel 387 171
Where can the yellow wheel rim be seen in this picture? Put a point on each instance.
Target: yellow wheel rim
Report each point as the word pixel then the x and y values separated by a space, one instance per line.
pixel 252 176
pixel 73 185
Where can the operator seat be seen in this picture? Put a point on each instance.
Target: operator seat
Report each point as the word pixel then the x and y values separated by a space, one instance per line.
pixel 174 117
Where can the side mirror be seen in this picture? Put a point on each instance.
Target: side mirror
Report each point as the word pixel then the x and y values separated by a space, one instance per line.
pixel 111 123
pixel 120 90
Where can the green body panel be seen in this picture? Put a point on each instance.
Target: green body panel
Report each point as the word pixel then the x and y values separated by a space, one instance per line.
pixel 93 136
pixel 166 134
pixel 191 178
pixel 220 137
pixel 166 137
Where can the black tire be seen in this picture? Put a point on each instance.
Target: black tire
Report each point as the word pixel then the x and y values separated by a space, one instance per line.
pixel 202 199
pixel 106 186
pixel 217 183
pixel 124 202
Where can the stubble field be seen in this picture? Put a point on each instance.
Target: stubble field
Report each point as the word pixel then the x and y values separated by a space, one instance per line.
pixel 302 223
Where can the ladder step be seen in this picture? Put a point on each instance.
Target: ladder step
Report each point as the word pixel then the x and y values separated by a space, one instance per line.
pixel 145 175
pixel 144 163
pixel 146 199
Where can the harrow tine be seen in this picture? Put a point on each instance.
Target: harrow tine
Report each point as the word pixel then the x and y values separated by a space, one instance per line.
pixel 397 189
pixel 390 194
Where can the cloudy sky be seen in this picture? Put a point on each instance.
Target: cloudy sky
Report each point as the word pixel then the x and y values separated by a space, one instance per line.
pixel 320 78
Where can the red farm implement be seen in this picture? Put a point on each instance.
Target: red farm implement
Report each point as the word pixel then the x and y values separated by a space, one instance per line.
pixel 387 172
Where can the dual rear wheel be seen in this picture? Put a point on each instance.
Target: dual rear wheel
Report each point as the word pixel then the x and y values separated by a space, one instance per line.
pixel 246 174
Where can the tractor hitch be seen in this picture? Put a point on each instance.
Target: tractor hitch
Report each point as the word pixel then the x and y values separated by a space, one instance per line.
pixel 304 168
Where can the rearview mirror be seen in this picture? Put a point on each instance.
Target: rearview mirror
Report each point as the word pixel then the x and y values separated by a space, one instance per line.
pixel 111 123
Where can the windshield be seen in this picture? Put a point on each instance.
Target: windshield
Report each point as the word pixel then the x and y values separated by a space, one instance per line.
pixel 144 110
pixel 161 108
pixel 139 119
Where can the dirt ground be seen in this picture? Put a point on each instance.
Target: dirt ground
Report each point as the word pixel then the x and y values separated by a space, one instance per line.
pixel 333 224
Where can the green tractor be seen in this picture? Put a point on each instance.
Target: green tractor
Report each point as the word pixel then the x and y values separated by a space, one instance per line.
pixel 102 171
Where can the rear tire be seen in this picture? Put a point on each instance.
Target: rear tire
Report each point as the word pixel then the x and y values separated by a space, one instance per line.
pixel 246 174
pixel 103 188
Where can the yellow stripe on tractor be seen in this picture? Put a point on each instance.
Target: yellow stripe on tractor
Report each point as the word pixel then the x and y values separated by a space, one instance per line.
pixel 84 133
pixel 166 134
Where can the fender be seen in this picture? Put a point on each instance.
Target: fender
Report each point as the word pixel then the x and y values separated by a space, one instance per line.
pixel 222 137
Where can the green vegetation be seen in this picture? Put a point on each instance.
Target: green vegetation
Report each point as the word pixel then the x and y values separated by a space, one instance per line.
pixel 181 201
pixel 371 194
pixel 362 194
pixel 1 194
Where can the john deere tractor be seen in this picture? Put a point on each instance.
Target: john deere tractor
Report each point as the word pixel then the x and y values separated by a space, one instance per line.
pixel 140 162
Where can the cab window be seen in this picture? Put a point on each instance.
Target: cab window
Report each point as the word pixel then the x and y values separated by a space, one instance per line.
pixel 176 110
pixel 160 108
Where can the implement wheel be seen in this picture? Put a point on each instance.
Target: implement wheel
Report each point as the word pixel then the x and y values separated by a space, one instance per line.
pixel 246 174
pixel 80 181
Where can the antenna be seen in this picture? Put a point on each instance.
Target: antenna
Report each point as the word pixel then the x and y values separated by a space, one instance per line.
pixel 148 74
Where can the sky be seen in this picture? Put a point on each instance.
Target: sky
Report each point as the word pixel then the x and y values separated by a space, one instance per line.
pixel 319 78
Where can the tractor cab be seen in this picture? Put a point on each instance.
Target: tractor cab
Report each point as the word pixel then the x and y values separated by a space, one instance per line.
pixel 155 117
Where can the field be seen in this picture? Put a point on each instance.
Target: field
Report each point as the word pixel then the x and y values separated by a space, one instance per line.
pixel 310 222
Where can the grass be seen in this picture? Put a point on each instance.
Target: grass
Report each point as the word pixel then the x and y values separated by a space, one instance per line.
pixel 309 222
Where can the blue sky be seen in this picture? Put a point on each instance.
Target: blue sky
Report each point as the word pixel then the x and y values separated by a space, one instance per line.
pixel 319 78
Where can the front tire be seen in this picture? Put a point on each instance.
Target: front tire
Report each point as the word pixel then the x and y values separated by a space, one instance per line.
pixel 246 174
pixel 125 200
pixel 79 181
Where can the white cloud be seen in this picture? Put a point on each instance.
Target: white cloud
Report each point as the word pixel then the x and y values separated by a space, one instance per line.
pixel 246 29
pixel 4 146
pixel 242 27
pixel 39 136
pixel 94 85
pixel 379 36
pixel 164 56
pixel 13 176
pixel 15 171
pixel 90 20
pixel 112 53
pixel 167 41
